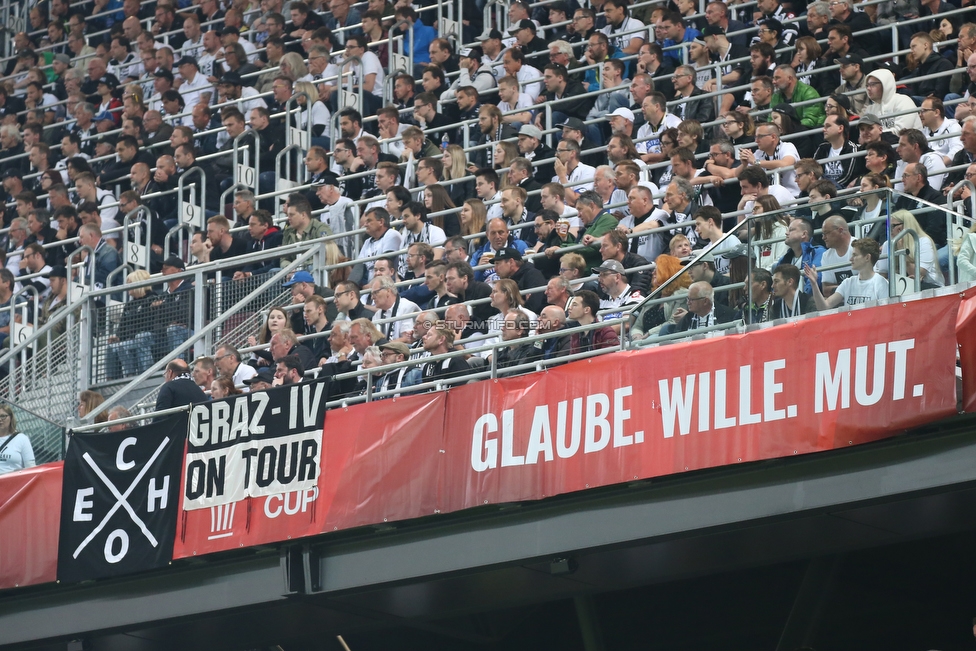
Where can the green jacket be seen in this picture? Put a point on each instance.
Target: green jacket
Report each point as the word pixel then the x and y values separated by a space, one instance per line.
pixel 811 115
pixel 603 224
pixel 315 230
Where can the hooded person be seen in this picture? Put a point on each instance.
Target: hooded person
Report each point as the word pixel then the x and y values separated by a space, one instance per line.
pixel 890 103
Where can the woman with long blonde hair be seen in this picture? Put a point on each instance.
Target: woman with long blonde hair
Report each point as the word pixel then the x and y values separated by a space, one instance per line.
pixel 473 217
pixel 926 256
pixel 455 163
pixel 292 66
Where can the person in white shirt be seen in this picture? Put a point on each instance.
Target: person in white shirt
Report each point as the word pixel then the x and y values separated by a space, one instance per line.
pixel 512 99
pixel 341 213
pixel 575 176
pixel 913 147
pixel 230 35
pixel 936 125
pixel 212 48
pixel 382 239
pixel 624 32
pixel 708 226
pixel 194 86
pixel 866 286
pixel 389 305
pixel 773 154
pixel 837 237
pixel 416 228
pixel 655 109
pixel 530 79
pixel 193 45
pixel 370 73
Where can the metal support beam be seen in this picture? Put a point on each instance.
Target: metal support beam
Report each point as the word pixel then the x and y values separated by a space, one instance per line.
pixel 589 623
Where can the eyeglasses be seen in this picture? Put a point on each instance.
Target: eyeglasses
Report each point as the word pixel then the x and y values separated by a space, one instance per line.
pixel 697 298
pixel 4 417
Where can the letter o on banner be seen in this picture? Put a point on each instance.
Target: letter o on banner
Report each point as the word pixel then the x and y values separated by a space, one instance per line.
pixel 123 539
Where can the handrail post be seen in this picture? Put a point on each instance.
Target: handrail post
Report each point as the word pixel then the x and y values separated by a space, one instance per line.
pixel 203 195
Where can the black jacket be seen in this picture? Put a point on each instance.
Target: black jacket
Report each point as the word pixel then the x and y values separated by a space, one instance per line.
pixel 723 314
pixel 517 354
pixel 533 202
pixel 178 392
pixel 528 277
pixel 932 222
pixel 935 63
pixel 571 103
pixel 482 312
pixel 702 110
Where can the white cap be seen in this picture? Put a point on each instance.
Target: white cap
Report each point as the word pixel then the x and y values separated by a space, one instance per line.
pixel 625 113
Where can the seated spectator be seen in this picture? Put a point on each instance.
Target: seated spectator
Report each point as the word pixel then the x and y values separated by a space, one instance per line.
pixel 204 372
pixel 285 342
pixel 276 321
pixel 917 191
pixel 439 341
pixel 381 239
pixel 105 259
pixel 130 349
pixel 16 452
pixel 229 363
pixel 552 320
pixel 175 310
pixel 347 302
pixel 509 264
pixel 223 387
pixel 884 102
pixel 583 310
pixel 178 387
pixel 404 377
pixel 788 300
pixel 615 247
pixel 928 63
pixel 863 287
pixel 389 305
pixel 262 236
pixel 301 227
pixel 925 255
pixel 837 238
pixel 516 326
pixel 703 311
pixel 289 370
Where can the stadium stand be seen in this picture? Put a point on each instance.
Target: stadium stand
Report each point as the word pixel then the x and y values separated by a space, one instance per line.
pixel 465 190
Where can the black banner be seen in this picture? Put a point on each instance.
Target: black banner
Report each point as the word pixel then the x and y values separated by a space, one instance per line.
pixel 253 445
pixel 120 500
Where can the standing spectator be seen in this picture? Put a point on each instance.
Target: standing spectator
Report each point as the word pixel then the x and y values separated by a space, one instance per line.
pixel 178 387
pixel 228 361
pixel 16 452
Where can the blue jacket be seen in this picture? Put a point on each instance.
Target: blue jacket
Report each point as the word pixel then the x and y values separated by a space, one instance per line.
pixel 485 274
pixel 811 256
pixel 675 55
pixel 422 36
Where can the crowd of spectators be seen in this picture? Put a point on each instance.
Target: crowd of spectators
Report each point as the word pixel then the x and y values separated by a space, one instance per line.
pixel 555 170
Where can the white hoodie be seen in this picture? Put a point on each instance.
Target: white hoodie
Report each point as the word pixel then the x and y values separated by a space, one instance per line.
pixel 892 102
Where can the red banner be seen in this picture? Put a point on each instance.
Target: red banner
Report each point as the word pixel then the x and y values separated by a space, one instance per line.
pixel 812 385
pixel 966 336
pixel 30 514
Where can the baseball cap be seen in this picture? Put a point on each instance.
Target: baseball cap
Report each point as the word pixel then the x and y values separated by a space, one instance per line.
pixel 471 53
pixel 843 100
pixel 712 30
pixel 57 272
pixel 175 262
pixel 397 347
pixel 12 172
pixel 508 253
pixel 109 80
pixel 299 277
pixel 104 115
pixel 230 29
pixel 232 78
pixel 869 118
pixel 610 265
pixel 165 74
pixel 625 113
pixel 523 24
pixel 265 375
pixel 531 131
pixel 327 178
pixel 63 58
pixel 492 34
pixel 573 123
pixel 850 58
pixel 190 60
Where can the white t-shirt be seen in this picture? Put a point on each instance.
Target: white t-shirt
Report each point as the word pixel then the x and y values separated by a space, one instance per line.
pixel 391 241
pixel 856 291
pixel 581 179
pixel 649 138
pixel 786 179
pixel 721 262
pixel 629 29
pixel 837 276
pixel 243 372
pixel 371 65
pixel 523 102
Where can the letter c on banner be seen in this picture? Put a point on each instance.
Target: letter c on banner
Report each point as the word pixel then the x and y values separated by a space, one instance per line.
pixel 273 512
pixel 121 463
